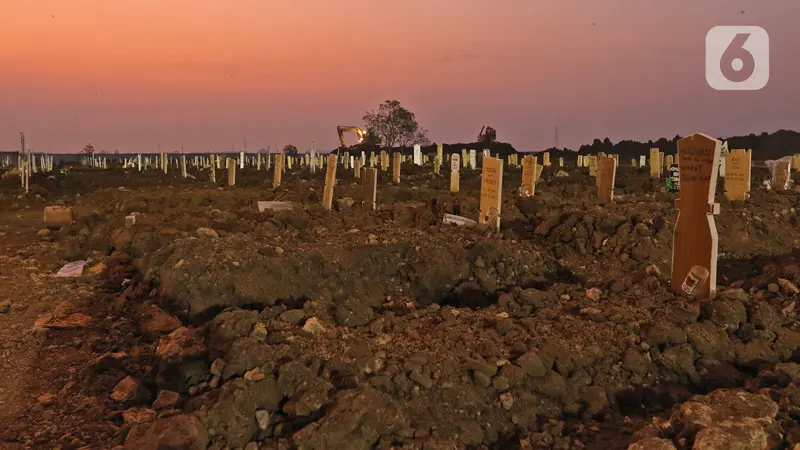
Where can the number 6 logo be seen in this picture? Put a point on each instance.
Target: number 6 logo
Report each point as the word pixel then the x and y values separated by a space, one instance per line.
pixel 737 58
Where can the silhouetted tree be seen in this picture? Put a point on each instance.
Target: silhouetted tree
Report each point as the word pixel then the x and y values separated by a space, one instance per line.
pixel 290 150
pixel 395 125
pixel 88 149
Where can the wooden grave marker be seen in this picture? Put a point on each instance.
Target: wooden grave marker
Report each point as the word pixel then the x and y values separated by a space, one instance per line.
pixel 330 181
pixel 781 174
pixel 212 175
pixel 560 161
pixel 384 161
pixel 580 160
pixel 370 187
pixel 231 172
pixel 357 168
pixel 633 163
pixel 655 163
pixel 668 161
pixel 455 166
pixel 396 168
pixel 606 177
pixel 528 188
pixel 491 191
pixel 276 178
pixel 546 159
pixel 737 179
pixel 695 240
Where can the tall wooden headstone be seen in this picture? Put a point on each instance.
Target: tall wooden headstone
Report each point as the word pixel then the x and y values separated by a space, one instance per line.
pixel 528 176
pixel 357 168
pixel 370 187
pixel 455 167
pixel 737 179
pixel 231 172
pixel 695 240
pixel 276 178
pixel 330 181
pixel 655 163
pixel 781 174
pixel 491 191
pixel 397 160
pixel 212 175
pixel 606 177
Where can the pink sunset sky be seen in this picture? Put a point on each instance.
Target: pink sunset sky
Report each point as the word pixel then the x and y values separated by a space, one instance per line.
pixel 208 74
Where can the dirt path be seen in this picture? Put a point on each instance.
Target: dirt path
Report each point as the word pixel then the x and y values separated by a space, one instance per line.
pixel 27 292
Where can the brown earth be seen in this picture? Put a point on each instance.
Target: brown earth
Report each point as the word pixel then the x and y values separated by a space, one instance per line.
pixel 214 326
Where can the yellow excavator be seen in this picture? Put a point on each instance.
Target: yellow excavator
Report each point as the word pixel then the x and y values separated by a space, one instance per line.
pixel 488 136
pixel 357 147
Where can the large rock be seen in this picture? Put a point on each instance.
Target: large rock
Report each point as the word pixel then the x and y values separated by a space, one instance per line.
pixel 729 419
pixel 183 343
pixel 182 432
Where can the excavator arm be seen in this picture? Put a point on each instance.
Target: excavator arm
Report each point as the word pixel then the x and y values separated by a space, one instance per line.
pixel 341 130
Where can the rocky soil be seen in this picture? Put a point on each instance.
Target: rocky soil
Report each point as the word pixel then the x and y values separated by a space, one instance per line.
pixel 210 325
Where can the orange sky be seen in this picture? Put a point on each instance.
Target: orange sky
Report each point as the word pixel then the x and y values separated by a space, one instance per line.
pixel 208 74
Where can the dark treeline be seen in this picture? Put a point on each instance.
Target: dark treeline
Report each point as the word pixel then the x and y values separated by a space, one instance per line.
pixel 765 146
